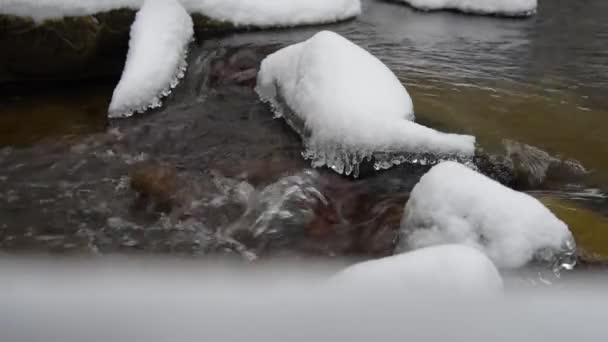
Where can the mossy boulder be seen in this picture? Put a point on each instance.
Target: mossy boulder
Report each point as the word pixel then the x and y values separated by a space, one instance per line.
pixel 50 48
pixel 74 47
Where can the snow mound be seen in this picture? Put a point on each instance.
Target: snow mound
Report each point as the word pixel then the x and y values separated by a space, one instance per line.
pixel 156 60
pixel 454 204
pixel 348 107
pixel 447 269
pixel 260 13
pixel 272 13
pixel 40 10
pixel 499 7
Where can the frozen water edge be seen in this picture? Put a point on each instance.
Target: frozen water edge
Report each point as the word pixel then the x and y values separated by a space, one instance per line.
pixel 157 102
pixel 347 160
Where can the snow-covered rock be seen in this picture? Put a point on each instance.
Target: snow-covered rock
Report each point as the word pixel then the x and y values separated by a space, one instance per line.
pixel 260 13
pixel 348 106
pixel 270 13
pixel 444 269
pixel 454 204
pixel 156 60
pixel 500 7
pixel 41 10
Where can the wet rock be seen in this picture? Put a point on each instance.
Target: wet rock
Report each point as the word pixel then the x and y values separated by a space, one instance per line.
pixel 315 214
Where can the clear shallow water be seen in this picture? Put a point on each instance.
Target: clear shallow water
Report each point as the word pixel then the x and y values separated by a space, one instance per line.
pixel 217 153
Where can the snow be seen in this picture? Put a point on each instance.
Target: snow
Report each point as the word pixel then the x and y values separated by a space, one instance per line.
pixel 265 13
pixel 156 59
pixel 348 106
pixel 501 7
pixel 444 269
pixel 41 10
pixel 260 13
pixel 454 204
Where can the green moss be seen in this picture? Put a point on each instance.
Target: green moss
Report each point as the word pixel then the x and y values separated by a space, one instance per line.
pixel 204 25
pixel 590 229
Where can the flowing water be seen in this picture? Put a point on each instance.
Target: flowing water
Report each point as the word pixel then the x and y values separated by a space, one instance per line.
pixel 213 172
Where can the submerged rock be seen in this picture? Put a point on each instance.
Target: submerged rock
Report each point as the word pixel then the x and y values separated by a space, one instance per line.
pixel 590 229
pixel 156 181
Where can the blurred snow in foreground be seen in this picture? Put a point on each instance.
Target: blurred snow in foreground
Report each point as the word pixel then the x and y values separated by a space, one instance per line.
pixel 155 300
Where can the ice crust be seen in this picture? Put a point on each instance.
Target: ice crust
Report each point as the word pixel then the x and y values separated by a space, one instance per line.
pixel 496 7
pixel 260 13
pixel 454 204
pixel 446 269
pixel 156 60
pixel 349 107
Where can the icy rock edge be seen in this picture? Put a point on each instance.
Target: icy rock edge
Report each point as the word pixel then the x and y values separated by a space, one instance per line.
pixel 349 108
pixel 157 58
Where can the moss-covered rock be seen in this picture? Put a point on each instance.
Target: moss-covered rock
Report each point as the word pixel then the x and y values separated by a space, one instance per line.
pixel 203 25
pixel 74 47
pixel 49 48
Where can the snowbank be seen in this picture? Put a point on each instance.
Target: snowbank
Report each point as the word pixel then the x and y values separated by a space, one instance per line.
pixel 445 269
pixel 500 7
pixel 260 13
pixel 348 106
pixel 156 60
pixel 454 204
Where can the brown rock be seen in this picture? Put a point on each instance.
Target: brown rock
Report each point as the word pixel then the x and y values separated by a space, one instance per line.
pixel 156 181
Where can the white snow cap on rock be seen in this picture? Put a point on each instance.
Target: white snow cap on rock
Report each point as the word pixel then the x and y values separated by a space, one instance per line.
pixel 259 13
pixel 444 269
pixel 454 204
pixel 267 13
pixel 156 60
pixel 501 7
pixel 347 105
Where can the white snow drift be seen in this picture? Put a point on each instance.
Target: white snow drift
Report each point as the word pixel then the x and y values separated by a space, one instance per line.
pixel 454 204
pixel 501 7
pixel 260 13
pixel 446 269
pixel 347 106
pixel 156 60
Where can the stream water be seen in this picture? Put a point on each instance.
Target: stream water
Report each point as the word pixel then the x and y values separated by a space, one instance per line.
pixel 213 172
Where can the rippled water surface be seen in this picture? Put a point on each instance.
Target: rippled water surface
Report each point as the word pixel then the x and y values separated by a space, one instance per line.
pixel 213 172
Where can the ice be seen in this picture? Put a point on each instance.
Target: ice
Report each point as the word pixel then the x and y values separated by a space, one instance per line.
pixel 156 60
pixel 500 7
pixel 454 204
pixel 447 269
pixel 349 107
pixel 260 13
